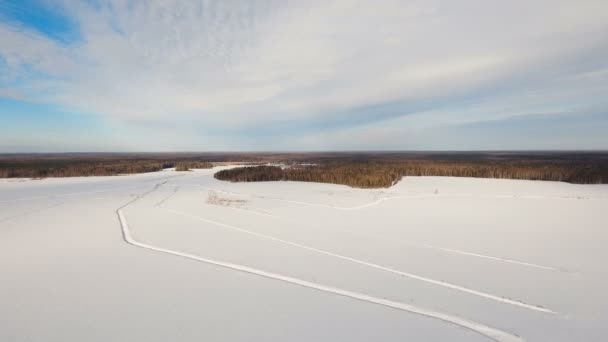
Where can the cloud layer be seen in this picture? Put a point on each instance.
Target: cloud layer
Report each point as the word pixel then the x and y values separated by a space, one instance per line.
pixel 309 74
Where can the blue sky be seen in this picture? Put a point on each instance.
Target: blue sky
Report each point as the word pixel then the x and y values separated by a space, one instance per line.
pixel 111 75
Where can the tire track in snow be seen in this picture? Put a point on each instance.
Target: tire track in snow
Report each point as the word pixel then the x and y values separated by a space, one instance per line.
pixel 422 196
pixel 514 196
pixel 450 250
pixel 386 198
pixel 492 333
pixel 162 201
pixel 246 210
pixel 163 178
pixel 379 267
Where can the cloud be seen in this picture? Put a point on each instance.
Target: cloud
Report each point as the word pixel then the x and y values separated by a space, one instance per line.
pixel 315 65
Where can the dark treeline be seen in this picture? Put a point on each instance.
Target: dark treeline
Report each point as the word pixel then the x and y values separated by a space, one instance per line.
pixel 25 167
pixel 358 169
pixel 188 165
pixel 384 174
pixel 362 176
pixel 252 174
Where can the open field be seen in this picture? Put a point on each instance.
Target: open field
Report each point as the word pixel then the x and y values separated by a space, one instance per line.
pixel 182 256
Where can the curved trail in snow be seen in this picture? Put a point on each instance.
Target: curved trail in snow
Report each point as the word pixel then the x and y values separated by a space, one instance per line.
pixel 164 200
pixel 376 266
pixel 163 178
pixel 382 199
pixel 492 333
pixel 456 251
pixel 246 211
pixel 386 198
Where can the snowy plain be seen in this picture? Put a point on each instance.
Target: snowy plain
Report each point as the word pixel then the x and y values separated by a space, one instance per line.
pixel 181 256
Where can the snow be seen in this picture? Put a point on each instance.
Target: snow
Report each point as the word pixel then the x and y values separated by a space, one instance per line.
pixel 182 256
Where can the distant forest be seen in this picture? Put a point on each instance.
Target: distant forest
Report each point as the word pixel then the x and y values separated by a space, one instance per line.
pixel 378 172
pixel 42 166
pixel 188 165
pixel 356 169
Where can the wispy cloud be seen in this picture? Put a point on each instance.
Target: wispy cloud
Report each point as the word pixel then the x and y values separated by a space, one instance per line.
pixel 312 68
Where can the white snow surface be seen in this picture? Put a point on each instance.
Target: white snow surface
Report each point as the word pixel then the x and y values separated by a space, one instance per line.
pixel 181 256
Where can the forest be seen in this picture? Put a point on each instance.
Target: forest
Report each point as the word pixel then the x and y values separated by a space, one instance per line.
pixel 77 165
pixel 356 169
pixel 189 165
pixel 384 174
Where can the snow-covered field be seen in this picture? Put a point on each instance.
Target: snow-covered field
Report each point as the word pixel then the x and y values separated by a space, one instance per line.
pixel 180 256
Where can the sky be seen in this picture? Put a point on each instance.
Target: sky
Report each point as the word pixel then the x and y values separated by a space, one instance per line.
pixel 263 75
